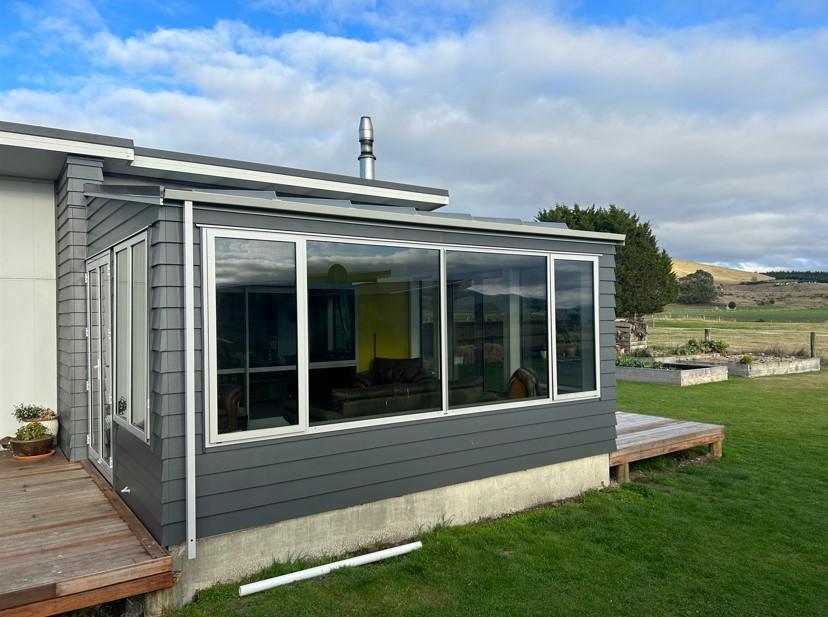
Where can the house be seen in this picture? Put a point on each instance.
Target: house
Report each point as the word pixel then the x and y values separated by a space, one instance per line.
pixel 268 362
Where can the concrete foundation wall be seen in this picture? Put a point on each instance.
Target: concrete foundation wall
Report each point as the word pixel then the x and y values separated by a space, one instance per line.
pixel 28 343
pixel 230 556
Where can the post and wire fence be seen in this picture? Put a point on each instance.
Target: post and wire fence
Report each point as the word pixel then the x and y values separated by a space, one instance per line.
pixel 802 343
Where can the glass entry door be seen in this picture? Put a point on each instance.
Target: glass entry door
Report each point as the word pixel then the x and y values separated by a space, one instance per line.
pixel 99 338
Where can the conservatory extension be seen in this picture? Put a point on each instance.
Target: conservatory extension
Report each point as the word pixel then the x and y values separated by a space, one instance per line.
pixel 310 356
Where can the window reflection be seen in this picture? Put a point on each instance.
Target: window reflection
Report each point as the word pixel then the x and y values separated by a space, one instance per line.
pixel 373 331
pixel 122 338
pixel 498 327
pixel 140 340
pixel 255 334
pixel 575 326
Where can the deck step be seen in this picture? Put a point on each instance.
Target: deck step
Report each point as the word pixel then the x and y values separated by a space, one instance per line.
pixel 641 436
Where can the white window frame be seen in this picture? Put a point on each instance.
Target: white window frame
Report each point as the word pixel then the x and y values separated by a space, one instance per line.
pixel 213 439
pixel 128 245
pixel 596 306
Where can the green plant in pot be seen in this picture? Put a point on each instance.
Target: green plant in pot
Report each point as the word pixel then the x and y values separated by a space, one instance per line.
pixel 567 345
pixel 28 413
pixel 32 440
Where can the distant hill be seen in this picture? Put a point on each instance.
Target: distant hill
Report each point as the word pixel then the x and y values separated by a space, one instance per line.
pixel 723 276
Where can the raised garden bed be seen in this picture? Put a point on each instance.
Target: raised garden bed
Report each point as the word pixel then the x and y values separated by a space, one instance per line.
pixel 760 365
pixel 673 374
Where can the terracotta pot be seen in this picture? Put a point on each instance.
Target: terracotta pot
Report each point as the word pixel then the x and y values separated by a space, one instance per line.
pixel 34 447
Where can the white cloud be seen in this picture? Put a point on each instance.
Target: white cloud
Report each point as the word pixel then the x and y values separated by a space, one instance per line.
pixel 719 137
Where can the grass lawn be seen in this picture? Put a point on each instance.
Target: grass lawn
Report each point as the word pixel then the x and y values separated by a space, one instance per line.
pixel 746 535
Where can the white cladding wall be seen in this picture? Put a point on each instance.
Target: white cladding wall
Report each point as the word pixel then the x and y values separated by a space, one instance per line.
pixel 28 365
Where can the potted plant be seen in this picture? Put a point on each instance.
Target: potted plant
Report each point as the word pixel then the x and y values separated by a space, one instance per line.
pixel 32 442
pixel 39 414
pixel 566 346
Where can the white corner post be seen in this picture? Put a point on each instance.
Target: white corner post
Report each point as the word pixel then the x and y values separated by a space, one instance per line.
pixel 189 379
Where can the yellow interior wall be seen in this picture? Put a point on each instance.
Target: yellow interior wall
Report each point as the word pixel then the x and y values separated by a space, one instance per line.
pixel 382 310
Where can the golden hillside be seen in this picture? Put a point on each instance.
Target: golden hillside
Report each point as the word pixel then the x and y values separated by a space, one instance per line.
pixel 723 276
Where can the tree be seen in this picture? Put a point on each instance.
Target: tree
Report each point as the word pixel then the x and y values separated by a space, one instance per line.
pixel 697 288
pixel 731 305
pixel 644 279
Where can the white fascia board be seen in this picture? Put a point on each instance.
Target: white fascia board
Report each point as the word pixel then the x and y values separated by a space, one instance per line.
pixel 204 169
pixel 386 216
pixel 69 146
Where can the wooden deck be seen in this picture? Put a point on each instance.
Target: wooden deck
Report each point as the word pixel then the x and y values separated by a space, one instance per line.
pixel 67 541
pixel 641 437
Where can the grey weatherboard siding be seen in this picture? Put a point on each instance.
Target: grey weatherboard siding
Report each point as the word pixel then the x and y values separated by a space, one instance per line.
pixel 70 236
pixel 246 485
pixel 136 464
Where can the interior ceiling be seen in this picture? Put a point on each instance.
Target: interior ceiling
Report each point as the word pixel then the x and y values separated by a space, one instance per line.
pixel 28 163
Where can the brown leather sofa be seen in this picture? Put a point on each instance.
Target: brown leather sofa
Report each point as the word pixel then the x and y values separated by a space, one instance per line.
pixel 390 386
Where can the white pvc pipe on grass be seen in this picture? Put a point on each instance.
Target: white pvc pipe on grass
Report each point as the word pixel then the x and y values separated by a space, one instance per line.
pixel 301 575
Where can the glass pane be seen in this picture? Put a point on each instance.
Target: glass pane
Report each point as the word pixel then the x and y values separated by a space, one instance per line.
pixel 106 362
pixel 255 334
pixel 230 328
pixel 331 311
pixel 94 362
pixel 575 326
pixel 497 323
pixel 373 328
pixel 122 395
pixel 139 334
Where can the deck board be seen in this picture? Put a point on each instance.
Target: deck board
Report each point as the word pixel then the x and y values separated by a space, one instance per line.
pixel 641 436
pixel 68 541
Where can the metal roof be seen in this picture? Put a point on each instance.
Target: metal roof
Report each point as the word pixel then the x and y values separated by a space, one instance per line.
pixel 122 157
pixel 271 200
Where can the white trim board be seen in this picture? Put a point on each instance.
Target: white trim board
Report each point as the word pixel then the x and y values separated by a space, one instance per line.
pixel 205 169
pixel 53 144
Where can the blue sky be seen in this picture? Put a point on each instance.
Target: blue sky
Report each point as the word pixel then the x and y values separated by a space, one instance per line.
pixel 709 118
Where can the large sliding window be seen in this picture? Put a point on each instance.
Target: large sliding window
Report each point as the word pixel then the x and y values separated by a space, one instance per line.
pixel 373 331
pixel 131 335
pixel 498 327
pixel 310 333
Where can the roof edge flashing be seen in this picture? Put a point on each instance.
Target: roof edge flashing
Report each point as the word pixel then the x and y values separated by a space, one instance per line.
pixel 213 161
pixel 389 216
